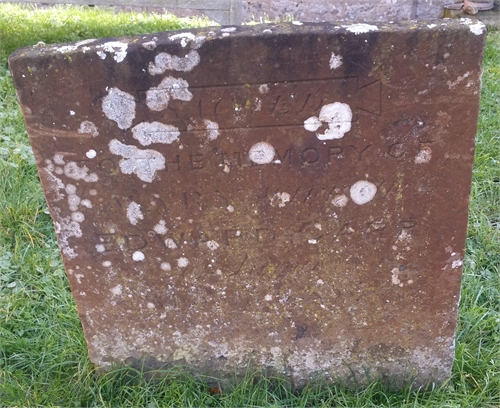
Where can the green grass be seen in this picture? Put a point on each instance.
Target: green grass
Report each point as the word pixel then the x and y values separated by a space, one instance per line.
pixel 43 357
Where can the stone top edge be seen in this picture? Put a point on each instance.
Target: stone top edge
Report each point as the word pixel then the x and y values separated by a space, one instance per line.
pixel 200 35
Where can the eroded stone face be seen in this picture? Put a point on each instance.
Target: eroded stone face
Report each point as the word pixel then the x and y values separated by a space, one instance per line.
pixel 290 196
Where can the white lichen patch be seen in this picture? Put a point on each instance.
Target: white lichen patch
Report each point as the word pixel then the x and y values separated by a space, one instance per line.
pixel 184 37
pixel 182 262
pixel 212 129
pixel 91 154
pixel 73 202
pixel 85 42
pixel 165 266
pixel 167 62
pixel 87 127
pixel 423 156
pixel 258 105
pixel 73 171
pixel 195 42
pixel 65 229
pixel 134 213
pixel 268 298
pixel 340 200
pixel 280 199
pixel 143 163
pixel 263 89
pixel 155 132
pixel 207 129
pixel 86 203
pixel 149 45
pixel 59 159
pixel 170 243
pixel 157 98
pixel 476 28
pixel 138 256
pixel 363 192
pixel 70 189
pixel 404 236
pixel 67 48
pixel 77 216
pixel 116 48
pixel 261 153
pixel 337 116
pixel 160 228
pixel 119 106
pixel 100 248
pixel 312 124
pixel 395 277
pixel 360 28
pixel 459 79
pixel 335 61
pixel 212 245
pixel 117 290
pixel 54 183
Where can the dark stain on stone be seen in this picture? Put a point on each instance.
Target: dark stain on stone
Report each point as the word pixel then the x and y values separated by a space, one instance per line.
pixel 301 331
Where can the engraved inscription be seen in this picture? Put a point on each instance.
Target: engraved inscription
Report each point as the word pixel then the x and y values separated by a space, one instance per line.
pixel 285 103
pixel 311 232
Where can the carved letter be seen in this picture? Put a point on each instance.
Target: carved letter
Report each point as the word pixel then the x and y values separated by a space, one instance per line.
pixel 177 162
pixel 188 200
pixel 396 151
pixel 227 162
pixel 334 151
pixel 288 153
pixel 108 242
pixel 135 242
pixel 309 155
pixel 360 152
pixel 108 166
pixel 196 161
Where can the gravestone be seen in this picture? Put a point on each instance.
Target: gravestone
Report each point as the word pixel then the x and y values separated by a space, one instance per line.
pixel 291 198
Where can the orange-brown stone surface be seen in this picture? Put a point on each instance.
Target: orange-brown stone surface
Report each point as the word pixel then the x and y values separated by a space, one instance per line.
pixel 290 197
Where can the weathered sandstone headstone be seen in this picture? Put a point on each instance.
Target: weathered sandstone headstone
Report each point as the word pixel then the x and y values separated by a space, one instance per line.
pixel 293 197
